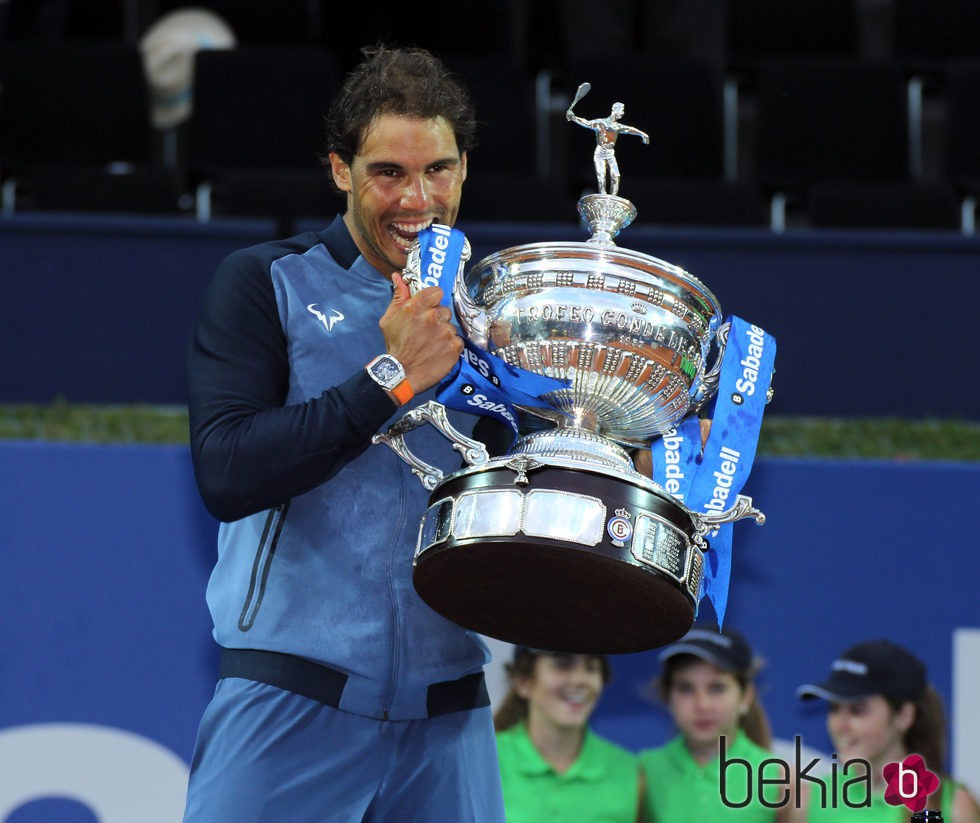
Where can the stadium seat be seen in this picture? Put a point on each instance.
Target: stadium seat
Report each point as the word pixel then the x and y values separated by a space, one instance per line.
pixel 254 135
pixel 843 125
pixel 508 177
pixel 75 131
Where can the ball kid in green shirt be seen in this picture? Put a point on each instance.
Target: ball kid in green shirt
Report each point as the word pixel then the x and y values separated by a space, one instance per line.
pixel 706 682
pixel 552 766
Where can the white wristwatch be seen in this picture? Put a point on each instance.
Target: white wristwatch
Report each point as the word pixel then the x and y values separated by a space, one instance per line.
pixel 387 372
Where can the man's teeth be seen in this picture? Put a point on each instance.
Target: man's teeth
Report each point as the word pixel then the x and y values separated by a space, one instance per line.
pixel 407 232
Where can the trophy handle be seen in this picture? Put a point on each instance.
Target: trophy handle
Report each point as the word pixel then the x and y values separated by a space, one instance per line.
pixel 412 273
pixel 709 384
pixel 473 451
pixel 705 522
pixel 472 318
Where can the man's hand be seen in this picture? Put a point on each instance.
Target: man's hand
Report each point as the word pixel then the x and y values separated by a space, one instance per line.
pixel 419 332
pixel 643 458
pixel 643 462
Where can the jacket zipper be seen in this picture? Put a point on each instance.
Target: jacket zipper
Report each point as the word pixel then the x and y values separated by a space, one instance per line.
pixel 261 565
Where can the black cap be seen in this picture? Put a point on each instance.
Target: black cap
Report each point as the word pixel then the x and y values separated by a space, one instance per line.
pixel 527 651
pixel 726 649
pixel 874 667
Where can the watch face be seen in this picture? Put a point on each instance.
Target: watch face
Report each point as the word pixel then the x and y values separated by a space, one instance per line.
pixel 387 371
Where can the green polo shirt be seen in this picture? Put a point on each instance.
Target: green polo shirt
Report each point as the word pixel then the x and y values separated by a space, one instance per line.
pixel 601 786
pixel 679 788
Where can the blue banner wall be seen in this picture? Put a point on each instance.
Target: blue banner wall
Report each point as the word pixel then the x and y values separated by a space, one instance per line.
pixel 106 660
pixel 104 628
pixel 98 309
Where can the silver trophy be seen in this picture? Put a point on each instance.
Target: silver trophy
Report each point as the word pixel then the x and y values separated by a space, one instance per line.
pixel 560 543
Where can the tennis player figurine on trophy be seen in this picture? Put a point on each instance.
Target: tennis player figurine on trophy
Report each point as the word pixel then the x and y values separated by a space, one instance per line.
pixel 607 130
pixel 605 214
pixel 561 543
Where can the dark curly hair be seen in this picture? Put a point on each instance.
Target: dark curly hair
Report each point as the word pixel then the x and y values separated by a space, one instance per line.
pixel 410 82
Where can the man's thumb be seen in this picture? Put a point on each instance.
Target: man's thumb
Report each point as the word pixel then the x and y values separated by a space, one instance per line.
pixel 400 291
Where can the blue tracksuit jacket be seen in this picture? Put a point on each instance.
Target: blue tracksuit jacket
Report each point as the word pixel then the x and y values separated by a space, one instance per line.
pixel 319 526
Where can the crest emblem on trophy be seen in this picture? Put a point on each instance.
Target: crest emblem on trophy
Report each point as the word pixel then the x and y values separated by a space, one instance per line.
pixel 560 543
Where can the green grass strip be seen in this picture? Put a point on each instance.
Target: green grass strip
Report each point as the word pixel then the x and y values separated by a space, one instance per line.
pixel 872 437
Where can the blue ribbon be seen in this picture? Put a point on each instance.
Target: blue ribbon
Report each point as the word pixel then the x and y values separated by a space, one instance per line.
pixel 440 252
pixel 711 480
pixel 480 383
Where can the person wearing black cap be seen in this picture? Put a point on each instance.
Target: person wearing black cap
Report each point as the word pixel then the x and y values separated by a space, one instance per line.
pixel 882 709
pixel 707 684
pixel 552 765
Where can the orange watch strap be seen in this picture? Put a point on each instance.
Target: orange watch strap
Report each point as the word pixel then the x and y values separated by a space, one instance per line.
pixel 403 392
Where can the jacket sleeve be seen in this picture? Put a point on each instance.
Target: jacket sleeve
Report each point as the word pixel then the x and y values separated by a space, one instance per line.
pixel 250 451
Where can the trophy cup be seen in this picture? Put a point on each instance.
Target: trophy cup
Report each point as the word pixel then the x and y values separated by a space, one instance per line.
pixel 560 543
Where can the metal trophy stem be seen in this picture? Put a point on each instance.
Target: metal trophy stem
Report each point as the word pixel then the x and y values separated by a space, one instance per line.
pixel 606 216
